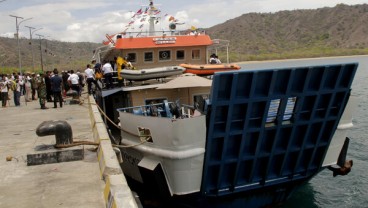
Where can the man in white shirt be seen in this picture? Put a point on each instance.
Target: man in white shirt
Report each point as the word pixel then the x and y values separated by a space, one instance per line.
pixel 21 81
pixel 73 81
pixel 90 78
pixel 107 72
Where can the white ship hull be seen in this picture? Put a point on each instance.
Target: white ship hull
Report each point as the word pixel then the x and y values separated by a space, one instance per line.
pixel 178 145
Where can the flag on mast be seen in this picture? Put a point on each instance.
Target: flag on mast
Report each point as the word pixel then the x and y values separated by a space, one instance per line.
pixel 110 40
pixel 139 12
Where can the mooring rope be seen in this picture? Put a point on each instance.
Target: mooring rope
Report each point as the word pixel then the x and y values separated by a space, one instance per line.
pixel 77 143
pixel 104 114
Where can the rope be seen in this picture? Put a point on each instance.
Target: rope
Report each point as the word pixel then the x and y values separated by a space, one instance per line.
pixel 103 113
pixel 133 145
pixel 77 143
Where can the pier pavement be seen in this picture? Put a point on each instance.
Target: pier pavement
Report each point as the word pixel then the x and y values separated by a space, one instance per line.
pixel 66 184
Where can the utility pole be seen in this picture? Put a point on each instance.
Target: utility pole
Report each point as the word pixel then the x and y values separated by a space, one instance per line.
pixel 17 29
pixel 39 36
pixel 2 55
pixel 45 61
pixel 44 58
pixel 30 37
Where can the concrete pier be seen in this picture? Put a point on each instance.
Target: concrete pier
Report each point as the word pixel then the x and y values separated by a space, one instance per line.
pixel 61 184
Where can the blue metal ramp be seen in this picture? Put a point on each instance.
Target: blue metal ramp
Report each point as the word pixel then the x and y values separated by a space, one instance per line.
pixel 268 127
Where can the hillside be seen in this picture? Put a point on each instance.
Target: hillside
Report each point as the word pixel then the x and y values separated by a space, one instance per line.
pixel 341 30
pixel 55 54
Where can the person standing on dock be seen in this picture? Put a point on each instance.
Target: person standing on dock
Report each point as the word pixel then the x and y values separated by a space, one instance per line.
pixel 27 87
pixel 74 81
pixel 81 82
pixel 4 91
pixel 65 76
pixel 57 86
pixel 21 82
pixel 17 90
pixel 48 86
pixel 34 86
pixel 42 91
pixel 90 78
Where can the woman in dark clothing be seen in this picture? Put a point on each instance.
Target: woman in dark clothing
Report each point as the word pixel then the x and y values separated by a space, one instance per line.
pixel 48 87
pixel 65 77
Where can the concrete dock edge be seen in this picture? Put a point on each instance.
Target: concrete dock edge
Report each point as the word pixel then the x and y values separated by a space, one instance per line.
pixel 117 193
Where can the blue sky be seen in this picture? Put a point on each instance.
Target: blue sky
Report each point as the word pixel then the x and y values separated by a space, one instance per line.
pixel 90 20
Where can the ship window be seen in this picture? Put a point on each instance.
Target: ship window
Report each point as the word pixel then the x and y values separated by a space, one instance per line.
pixel 196 54
pixel 132 57
pixel 164 55
pixel 180 55
pixel 148 57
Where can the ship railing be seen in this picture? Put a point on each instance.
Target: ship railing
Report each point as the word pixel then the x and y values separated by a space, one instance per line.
pixel 166 110
pixel 187 111
pixel 125 82
pixel 154 110
pixel 115 81
pixel 162 33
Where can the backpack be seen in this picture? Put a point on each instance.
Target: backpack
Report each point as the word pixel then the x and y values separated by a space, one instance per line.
pixel 98 75
pixel 12 85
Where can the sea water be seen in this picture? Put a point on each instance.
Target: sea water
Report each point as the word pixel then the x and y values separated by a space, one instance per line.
pixel 324 190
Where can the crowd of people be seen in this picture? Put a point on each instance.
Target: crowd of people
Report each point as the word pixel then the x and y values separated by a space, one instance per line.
pixel 52 86
pixel 49 86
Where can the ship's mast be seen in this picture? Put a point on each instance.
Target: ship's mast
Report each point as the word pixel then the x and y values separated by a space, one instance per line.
pixel 152 18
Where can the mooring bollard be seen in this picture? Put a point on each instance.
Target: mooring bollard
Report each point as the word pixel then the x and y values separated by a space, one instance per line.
pixel 61 129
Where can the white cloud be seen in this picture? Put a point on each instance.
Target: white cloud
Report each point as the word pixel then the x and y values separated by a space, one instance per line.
pixel 7 35
pixel 95 28
pixel 75 26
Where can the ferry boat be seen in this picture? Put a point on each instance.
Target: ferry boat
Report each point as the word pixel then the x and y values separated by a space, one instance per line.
pixel 245 136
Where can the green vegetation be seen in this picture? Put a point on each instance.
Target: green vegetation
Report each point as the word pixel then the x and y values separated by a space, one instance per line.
pixel 61 55
pixel 338 31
